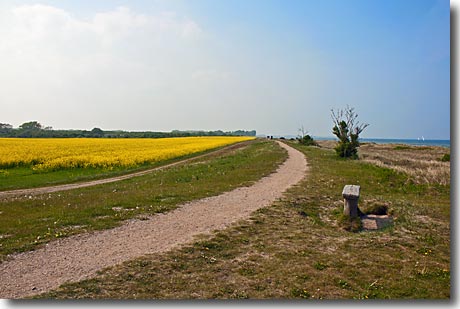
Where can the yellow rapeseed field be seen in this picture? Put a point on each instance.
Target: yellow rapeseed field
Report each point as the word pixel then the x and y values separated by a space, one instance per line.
pixel 60 153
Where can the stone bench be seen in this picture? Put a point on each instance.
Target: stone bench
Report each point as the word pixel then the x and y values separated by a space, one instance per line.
pixel 350 194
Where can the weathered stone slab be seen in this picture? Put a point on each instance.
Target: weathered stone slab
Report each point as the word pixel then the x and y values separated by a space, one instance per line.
pixel 350 194
pixel 375 222
pixel 351 191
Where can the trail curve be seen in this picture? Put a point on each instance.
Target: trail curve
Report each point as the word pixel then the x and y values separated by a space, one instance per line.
pixel 81 256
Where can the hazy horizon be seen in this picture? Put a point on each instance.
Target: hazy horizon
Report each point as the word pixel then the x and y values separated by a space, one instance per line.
pixel 258 134
pixel 269 66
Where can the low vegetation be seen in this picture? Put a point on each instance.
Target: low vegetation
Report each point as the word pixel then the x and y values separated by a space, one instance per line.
pixel 304 138
pixel 57 154
pixel 296 248
pixel 445 157
pixel 39 162
pixel 30 221
pixel 307 140
pixel 423 164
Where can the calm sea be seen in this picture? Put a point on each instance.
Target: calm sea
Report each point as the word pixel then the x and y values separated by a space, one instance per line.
pixel 419 142
pixel 427 142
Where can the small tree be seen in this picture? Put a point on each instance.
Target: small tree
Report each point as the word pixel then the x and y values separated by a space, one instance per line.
pixel 5 129
pixel 347 129
pixel 31 125
pixel 305 139
pixel 5 126
pixel 97 132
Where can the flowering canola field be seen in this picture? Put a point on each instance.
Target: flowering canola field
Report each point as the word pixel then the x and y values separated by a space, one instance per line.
pixel 64 153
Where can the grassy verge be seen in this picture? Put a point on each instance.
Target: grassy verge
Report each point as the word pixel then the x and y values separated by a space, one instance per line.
pixel 296 248
pixel 27 222
pixel 26 177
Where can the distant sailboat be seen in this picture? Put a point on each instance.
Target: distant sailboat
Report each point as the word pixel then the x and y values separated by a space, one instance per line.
pixel 423 139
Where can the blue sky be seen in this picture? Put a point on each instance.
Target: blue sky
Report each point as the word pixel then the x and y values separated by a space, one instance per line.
pixel 266 65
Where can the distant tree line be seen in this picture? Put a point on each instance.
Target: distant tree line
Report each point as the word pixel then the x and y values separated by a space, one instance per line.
pixel 35 129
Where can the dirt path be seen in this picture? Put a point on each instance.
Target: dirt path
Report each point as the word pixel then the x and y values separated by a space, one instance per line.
pixel 64 187
pixel 81 256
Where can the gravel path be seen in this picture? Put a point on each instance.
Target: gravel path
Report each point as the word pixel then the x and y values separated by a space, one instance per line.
pixel 79 257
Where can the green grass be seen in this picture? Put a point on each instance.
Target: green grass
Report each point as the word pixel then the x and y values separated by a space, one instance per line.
pixel 27 222
pixel 445 157
pixel 297 249
pixel 25 177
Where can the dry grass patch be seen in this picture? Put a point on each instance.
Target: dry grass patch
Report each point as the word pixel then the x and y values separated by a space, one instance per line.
pixel 424 164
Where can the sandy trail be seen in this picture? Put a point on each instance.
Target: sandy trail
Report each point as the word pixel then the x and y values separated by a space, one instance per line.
pixel 81 256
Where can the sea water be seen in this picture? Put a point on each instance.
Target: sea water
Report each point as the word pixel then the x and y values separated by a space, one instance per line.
pixel 416 142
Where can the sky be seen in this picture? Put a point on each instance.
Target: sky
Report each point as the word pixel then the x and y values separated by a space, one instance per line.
pixel 265 65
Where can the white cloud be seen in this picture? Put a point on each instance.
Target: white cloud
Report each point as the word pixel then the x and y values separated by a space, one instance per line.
pixel 53 62
pixel 41 23
pixel 121 69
